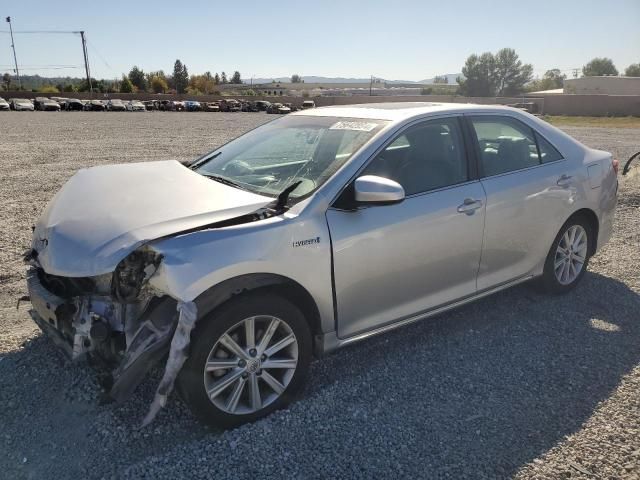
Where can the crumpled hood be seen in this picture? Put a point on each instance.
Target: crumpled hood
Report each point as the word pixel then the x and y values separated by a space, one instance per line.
pixel 103 213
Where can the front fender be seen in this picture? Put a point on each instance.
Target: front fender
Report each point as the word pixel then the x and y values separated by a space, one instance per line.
pixel 287 246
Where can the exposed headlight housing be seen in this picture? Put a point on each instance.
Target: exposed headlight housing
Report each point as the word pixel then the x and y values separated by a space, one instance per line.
pixel 133 272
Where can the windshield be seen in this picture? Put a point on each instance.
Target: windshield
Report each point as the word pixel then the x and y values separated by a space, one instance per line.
pixel 270 158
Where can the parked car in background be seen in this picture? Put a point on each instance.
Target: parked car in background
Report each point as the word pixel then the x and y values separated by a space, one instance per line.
pixel 115 105
pixel 262 105
pixel 73 104
pixel 4 105
pixel 278 108
pixel 253 107
pixel 179 105
pixel 135 106
pixel 60 101
pixel 291 107
pixel 46 104
pixel 94 106
pixel 309 233
pixel 167 105
pixel 21 104
pixel 150 105
pixel 211 107
pixel 192 106
pixel 229 105
pixel 308 104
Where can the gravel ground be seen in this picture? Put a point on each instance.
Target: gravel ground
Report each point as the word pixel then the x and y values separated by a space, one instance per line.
pixel 515 385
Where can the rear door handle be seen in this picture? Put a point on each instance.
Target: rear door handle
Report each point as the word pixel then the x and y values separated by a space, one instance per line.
pixel 469 206
pixel 564 180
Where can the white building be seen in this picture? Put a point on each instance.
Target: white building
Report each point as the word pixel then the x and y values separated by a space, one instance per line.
pixel 608 85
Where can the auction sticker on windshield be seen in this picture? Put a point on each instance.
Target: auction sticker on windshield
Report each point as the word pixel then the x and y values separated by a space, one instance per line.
pixel 359 126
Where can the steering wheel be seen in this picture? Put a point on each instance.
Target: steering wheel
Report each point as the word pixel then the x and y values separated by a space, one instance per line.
pixel 237 167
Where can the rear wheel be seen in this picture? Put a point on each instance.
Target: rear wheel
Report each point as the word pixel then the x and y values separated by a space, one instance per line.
pixel 568 257
pixel 248 358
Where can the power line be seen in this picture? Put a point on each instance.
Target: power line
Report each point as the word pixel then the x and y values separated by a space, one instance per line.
pixel 43 65
pixel 95 50
pixel 50 68
pixel 41 32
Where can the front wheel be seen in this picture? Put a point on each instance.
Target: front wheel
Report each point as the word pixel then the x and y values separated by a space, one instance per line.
pixel 568 257
pixel 248 358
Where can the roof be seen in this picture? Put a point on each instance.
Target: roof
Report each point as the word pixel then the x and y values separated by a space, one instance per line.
pixel 554 91
pixel 395 110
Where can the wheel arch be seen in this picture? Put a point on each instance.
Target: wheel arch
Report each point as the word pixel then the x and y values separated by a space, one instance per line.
pixel 218 294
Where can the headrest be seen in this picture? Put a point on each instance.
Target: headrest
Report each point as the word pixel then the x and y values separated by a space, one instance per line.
pixel 429 138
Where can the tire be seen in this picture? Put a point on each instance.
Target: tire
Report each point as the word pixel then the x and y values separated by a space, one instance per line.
pixel 556 283
pixel 246 370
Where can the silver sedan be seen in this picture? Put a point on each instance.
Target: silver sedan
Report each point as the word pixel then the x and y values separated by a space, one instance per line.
pixel 309 233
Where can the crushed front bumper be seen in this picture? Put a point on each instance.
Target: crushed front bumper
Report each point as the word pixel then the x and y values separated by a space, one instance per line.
pixel 51 313
pixel 162 328
pixel 52 333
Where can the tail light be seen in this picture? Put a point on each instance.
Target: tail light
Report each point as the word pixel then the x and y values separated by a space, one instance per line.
pixel 616 165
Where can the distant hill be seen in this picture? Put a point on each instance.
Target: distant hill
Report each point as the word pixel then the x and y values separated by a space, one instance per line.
pixel 36 81
pixel 451 77
pixel 311 79
pixel 317 79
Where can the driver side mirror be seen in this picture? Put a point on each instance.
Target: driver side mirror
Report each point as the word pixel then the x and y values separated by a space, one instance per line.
pixel 377 190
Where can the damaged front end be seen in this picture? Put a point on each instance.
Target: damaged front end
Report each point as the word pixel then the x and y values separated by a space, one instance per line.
pixel 117 318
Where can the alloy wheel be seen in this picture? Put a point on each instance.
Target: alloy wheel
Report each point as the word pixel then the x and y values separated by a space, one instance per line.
pixel 251 365
pixel 571 255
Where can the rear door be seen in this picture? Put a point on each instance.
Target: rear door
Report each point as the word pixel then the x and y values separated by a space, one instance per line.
pixel 395 261
pixel 529 195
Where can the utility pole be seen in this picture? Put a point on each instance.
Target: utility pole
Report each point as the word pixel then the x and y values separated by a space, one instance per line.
pixel 15 59
pixel 86 62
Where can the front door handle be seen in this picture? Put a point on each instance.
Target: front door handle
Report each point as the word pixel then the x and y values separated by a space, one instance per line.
pixel 564 180
pixel 469 206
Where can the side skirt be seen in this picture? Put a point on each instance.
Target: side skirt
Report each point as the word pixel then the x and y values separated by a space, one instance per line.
pixel 331 341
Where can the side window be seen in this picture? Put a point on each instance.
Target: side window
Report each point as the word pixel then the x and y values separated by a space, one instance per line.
pixel 548 153
pixel 505 144
pixel 424 157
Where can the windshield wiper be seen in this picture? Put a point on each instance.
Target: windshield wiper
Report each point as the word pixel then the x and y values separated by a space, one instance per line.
pixel 225 181
pixel 200 163
pixel 283 196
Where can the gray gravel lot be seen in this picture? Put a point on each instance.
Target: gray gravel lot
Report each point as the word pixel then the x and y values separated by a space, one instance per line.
pixel 515 385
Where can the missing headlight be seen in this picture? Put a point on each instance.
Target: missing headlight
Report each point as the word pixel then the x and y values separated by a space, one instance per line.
pixel 132 273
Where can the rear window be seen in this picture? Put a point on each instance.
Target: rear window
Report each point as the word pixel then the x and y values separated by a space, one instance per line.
pixel 506 144
pixel 548 153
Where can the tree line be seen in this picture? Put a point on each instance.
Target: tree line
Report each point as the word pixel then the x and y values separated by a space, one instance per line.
pixel 180 81
pixel 135 81
pixel 484 75
pixel 504 74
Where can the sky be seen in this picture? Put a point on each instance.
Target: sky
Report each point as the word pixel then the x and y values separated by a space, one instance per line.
pixel 408 40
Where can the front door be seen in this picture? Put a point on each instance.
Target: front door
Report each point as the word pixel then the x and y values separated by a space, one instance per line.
pixel 395 261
